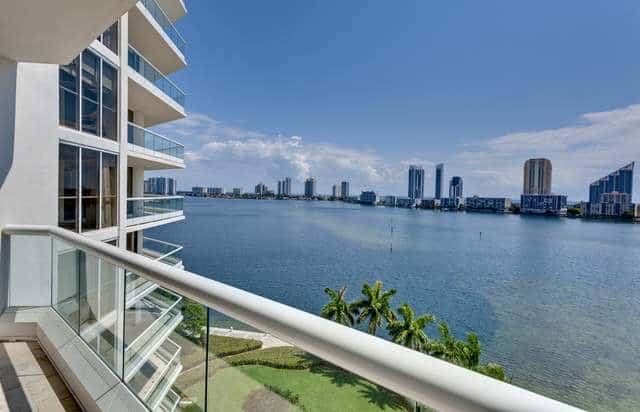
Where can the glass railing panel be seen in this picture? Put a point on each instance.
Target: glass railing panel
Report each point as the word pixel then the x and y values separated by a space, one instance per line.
pixel 164 352
pixel 87 292
pixel 141 65
pixel 252 370
pixel 160 16
pixel 140 207
pixel 142 137
pixel 100 313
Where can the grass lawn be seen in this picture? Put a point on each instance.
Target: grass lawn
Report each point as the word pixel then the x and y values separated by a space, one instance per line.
pixel 247 385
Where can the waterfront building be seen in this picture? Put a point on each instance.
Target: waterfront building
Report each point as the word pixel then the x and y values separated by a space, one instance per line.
pixel 199 191
pixel 537 177
pixel 160 186
pixel 284 187
pixel 416 182
pixel 439 180
pixel 390 201
pixel 455 187
pixel 451 203
pixel 636 212
pixel 611 195
pixel 543 204
pixel 310 187
pixel 407 202
pixel 430 203
pixel 261 189
pixel 82 84
pixel 237 191
pixel 335 191
pixel 493 204
pixel 215 191
pixel 369 197
pixel 344 189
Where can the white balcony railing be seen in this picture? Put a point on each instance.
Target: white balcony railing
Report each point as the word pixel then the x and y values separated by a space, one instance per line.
pixel 409 373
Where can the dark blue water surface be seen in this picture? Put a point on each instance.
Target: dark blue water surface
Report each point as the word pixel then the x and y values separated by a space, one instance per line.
pixel 556 301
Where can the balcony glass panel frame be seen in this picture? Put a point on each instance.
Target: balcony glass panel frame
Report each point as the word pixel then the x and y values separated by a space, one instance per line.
pixel 142 66
pixel 164 21
pixel 145 138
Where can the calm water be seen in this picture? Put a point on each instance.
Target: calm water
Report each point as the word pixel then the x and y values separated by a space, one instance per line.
pixel 556 301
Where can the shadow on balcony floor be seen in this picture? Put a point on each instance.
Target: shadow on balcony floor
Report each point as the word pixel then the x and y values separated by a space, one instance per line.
pixel 29 381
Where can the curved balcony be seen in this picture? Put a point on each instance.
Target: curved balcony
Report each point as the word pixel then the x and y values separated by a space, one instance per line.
pixel 154 150
pixel 153 211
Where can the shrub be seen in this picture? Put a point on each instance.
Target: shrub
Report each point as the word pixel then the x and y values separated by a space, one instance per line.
pixel 221 346
pixel 283 357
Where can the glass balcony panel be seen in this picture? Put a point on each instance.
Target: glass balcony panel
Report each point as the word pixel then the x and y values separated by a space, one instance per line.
pixel 165 252
pixel 252 370
pixel 65 281
pixel 138 63
pixel 159 15
pixel 141 207
pixel 164 351
pixel 147 139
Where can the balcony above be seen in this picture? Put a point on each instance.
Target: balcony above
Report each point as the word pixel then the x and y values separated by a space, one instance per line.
pixel 44 31
pixel 154 35
pixel 153 151
pixel 175 9
pixel 147 212
pixel 152 93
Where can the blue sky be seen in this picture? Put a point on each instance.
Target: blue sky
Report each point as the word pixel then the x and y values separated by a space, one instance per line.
pixel 359 89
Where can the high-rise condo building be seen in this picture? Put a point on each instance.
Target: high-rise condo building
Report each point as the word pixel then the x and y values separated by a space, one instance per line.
pixel 335 190
pixel 237 191
pixel 284 187
pixel 455 187
pixel 310 187
pixel 261 189
pixel 612 194
pixel 416 183
pixel 439 180
pixel 537 177
pixel 344 189
pixel 81 89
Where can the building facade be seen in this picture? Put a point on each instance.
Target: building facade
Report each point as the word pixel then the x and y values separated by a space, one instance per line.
pixel 199 191
pixel 451 203
pixel 543 204
pixel 335 191
pixel 310 187
pixel 160 186
pixel 537 177
pixel 612 194
pixel 439 181
pixel 455 187
pixel 261 189
pixel 416 182
pixel 284 187
pixel 344 189
pixel 369 197
pixel 492 204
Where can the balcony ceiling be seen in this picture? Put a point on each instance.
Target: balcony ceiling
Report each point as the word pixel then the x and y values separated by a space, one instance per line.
pixel 46 31
pixel 156 106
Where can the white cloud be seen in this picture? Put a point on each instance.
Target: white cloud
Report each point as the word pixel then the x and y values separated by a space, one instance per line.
pixel 597 145
pixel 220 154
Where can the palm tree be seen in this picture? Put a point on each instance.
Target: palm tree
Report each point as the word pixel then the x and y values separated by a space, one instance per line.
pixel 462 353
pixel 375 306
pixel 410 331
pixel 338 309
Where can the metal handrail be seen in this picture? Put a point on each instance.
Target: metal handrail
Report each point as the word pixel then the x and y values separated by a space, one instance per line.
pixel 154 197
pixel 428 380
pixel 134 138
pixel 181 95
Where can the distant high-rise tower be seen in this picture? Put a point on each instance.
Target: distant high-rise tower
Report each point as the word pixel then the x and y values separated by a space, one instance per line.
pixel 310 187
pixel 439 180
pixel 284 187
pixel 416 182
pixel 335 190
pixel 537 177
pixel 455 187
pixel 344 189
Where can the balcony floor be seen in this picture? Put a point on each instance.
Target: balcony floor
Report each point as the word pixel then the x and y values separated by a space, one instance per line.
pixel 29 381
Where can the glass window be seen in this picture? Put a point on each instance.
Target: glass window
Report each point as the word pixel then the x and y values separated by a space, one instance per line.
pixel 109 102
pixel 68 187
pixel 109 190
pixel 90 87
pixel 110 38
pixel 90 190
pixel 68 94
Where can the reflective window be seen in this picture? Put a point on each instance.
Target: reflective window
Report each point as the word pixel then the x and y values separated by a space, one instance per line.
pixel 95 203
pixel 68 94
pixel 88 95
pixel 110 38
pixel 109 102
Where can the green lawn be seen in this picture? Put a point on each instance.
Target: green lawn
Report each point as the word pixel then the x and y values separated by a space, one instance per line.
pixel 256 378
